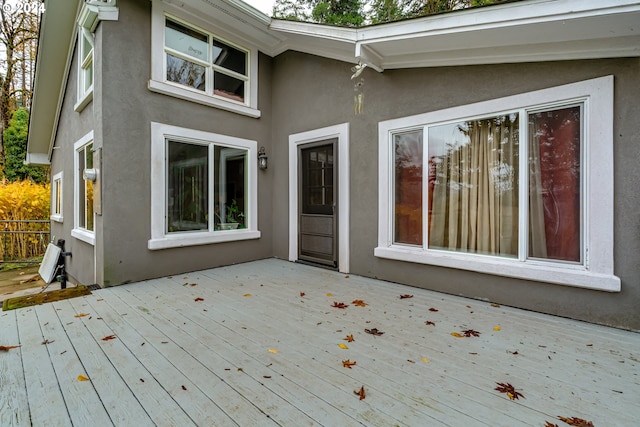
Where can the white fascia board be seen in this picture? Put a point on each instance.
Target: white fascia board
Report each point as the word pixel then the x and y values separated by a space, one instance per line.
pixel 93 12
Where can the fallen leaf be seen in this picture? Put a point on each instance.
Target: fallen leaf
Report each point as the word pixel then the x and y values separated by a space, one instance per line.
pixel 199 299
pixel 8 347
pixel 47 341
pixel 343 346
pixel 359 303
pixel 348 363
pixel 578 422
pixel 411 361
pixel 433 309
pixel 509 390
pixel 360 393
pixel 495 305
pixel 429 323
pixel 349 338
pixel 548 424
pixel 424 359
pixel 374 331
pixel 82 378
pixel 329 294
pixel 346 277
pixel 109 337
pixel 406 296
pixel 302 294
pixel 497 328
pixel 184 388
pixel 273 350
pixel 337 304
pixel 141 380
pixel 470 333
pixel 81 315
pixel 266 376
pixel 246 295
pixel 457 335
pixel 193 284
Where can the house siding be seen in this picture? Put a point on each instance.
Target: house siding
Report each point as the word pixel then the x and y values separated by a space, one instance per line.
pixel 71 127
pixel 314 92
pixel 126 198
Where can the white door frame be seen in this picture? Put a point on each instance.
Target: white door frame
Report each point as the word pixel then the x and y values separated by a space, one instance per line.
pixel 341 132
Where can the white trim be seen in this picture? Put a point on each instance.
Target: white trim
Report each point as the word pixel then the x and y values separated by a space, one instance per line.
pixel 55 179
pixel 161 240
pixel 77 231
pixel 340 131
pixel 157 82
pixel 597 271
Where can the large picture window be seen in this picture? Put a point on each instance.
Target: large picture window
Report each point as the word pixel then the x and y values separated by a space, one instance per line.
pixel 205 190
pixel 516 193
pixel 194 60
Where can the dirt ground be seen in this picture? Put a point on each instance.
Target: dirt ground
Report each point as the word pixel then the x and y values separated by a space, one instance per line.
pixel 20 281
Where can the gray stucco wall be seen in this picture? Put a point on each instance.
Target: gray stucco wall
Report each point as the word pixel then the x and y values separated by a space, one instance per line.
pixel 71 127
pixel 128 108
pixel 313 92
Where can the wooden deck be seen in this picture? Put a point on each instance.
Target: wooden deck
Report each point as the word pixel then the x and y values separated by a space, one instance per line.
pixel 262 349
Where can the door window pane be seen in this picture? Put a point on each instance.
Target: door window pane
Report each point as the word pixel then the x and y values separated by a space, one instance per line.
pixel 187 187
pixel 408 188
pixel 554 184
pixel 474 196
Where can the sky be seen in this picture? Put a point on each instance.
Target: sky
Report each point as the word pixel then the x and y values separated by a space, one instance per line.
pixel 265 6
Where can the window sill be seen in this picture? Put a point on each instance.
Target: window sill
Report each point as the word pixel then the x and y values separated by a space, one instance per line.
pixel 84 101
pixel 194 239
pixel 56 218
pixel 578 276
pixel 84 235
pixel 200 98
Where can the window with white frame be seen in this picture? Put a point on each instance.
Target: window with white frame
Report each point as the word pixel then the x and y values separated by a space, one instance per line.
pixel 519 186
pixel 83 190
pixel 193 60
pixel 85 68
pixel 204 187
pixel 56 197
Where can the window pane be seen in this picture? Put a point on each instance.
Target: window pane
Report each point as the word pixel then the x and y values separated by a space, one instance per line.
pixel 554 184
pixel 88 76
pixel 57 197
pixel 185 72
pixel 186 40
pixel 187 187
pixel 88 154
pixel 473 186
pixel 408 188
pixel 228 86
pixel 229 57
pixel 230 188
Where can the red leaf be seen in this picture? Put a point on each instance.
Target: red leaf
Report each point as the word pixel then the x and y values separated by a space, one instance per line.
pixel 199 299
pixel 109 337
pixel 471 333
pixel 302 294
pixel 406 296
pixel 339 305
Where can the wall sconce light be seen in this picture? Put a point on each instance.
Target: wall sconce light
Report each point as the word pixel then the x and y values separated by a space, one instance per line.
pixel 262 158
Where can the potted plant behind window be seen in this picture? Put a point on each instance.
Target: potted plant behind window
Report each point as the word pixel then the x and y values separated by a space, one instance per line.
pixel 234 217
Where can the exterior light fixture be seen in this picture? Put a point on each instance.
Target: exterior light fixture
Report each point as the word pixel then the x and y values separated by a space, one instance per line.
pixel 262 158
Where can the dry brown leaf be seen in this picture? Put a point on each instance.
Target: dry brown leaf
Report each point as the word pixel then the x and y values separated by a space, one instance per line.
pixel 359 303
pixel 406 296
pixel 302 294
pixel 266 376
pixel 8 347
pixel 429 323
pixel 198 299
pixel 470 333
pixel 360 393
pixel 495 305
pixel 337 304
pixel 81 315
pixel 374 331
pixel 548 424
pixel 349 338
pixel 577 422
pixel 509 390
pixel 109 337
pixel 348 363
pixel 433 309
pixel 184 388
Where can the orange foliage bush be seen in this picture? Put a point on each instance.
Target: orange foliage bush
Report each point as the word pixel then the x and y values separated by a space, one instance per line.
pixel 22 201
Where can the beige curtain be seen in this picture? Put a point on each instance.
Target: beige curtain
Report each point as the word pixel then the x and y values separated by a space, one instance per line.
pixel 474 198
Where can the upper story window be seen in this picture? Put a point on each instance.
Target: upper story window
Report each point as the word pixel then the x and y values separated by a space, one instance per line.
pixel 192 61
pixel 524 191
pixel 85 68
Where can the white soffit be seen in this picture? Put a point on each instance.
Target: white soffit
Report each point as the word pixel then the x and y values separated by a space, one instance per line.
pixel 533 30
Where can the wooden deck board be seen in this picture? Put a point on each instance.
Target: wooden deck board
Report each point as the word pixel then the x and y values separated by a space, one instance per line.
pixel 178 361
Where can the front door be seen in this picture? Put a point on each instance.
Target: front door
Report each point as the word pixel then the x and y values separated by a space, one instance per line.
pixel 318 196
